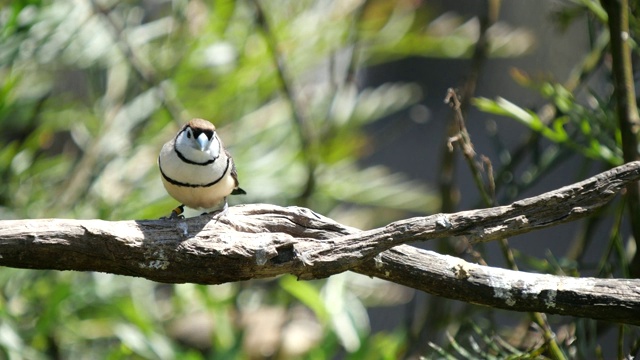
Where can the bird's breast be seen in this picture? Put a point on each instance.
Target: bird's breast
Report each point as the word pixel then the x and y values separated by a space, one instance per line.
pixel 196 186
pixel 191 174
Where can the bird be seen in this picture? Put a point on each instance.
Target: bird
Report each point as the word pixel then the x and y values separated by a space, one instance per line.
pixel 197 170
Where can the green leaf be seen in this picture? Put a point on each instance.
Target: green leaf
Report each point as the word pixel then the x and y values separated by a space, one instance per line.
pixel 306 293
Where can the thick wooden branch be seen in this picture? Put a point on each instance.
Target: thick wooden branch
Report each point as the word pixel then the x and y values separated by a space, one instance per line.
pixel 259 241
pixel 616 300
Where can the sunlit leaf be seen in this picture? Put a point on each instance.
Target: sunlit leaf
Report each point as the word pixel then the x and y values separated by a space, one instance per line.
pixel 307 294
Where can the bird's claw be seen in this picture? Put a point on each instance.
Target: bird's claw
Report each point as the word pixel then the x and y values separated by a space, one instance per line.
pixel 176 214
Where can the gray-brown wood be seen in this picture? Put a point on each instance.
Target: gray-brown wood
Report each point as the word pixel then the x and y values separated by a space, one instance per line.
pixel 616 300
pixel 259 241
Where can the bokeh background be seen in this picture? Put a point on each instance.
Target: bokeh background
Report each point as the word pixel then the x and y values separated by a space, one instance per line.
pixel 333 105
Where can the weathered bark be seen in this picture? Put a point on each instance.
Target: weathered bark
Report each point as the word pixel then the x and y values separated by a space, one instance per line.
pixel 616 300
pixel 259 241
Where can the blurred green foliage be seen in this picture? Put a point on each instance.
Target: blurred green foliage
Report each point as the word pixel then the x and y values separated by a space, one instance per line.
pixel 89 92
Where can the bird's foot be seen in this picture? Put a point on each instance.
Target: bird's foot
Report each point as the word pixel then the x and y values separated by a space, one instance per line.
pixel 176 214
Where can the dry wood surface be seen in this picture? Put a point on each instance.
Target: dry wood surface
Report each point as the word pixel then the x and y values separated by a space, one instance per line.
pixel 260 241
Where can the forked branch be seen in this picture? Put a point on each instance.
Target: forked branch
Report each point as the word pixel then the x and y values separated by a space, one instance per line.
pixel 259 241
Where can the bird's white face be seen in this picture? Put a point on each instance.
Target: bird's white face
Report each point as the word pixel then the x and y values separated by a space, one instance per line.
pixel 197 144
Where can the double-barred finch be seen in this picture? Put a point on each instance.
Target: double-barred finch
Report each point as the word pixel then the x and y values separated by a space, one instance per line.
pixel 196 169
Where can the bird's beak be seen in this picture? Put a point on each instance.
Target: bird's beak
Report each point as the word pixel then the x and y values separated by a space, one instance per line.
pixel 203 141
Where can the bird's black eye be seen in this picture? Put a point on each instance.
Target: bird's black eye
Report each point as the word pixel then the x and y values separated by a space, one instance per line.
pixel 188 133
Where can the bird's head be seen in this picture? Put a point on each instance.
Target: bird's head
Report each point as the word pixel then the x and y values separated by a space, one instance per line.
pixel 198 135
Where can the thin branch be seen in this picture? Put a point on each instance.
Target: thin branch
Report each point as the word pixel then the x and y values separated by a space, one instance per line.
pixel 449 194
pixel 616 300
pixel 480 53
pixel 260 241
pixel 627 108
pixel 489 198
pixel 463 140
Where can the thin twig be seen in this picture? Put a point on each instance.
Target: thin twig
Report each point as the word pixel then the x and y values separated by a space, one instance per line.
pixel 463 139
pixel 627 108
pixel 449 193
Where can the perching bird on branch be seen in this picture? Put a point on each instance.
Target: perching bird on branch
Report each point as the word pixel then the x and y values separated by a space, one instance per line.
pixel 196 169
